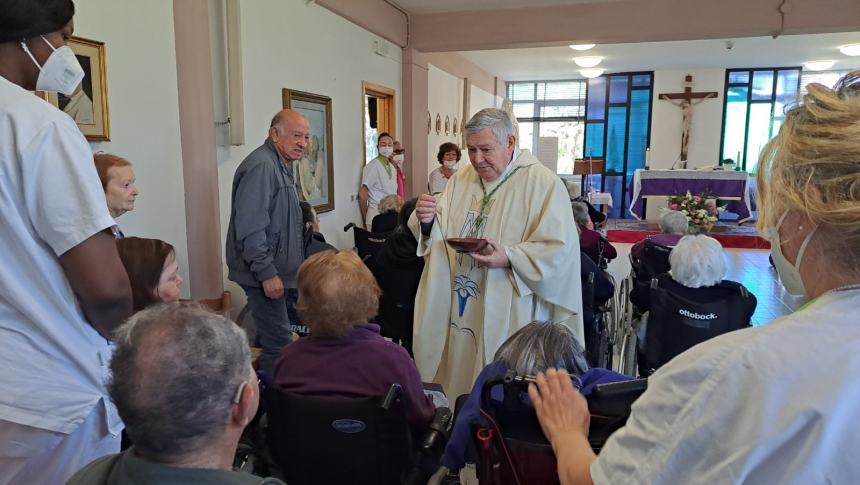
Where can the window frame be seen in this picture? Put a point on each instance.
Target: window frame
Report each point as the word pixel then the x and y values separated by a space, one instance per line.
pixel 749 85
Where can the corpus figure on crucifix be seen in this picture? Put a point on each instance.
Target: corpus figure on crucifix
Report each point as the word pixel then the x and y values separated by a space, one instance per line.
pixel 685 101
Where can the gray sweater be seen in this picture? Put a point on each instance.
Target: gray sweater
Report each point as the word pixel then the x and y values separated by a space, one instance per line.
pixel 264 238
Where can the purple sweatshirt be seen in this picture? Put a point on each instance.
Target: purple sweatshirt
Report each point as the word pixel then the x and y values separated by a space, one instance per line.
pixel 357 365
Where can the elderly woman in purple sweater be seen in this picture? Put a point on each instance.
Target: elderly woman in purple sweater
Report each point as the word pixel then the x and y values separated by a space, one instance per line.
pixel 345 355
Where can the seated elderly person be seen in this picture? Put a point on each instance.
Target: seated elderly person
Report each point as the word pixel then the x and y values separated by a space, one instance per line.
pixel 152 270
pixel 117 178
pixel 398 269
pixel 314 239
pixel 532 349
pixel 344 354
pixel 183 384
pixel 673 225
pixel 591 242
pixel 698 266
pixel 602 291
pixel 386 220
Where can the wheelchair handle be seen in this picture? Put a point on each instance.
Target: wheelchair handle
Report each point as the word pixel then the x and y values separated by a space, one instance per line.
pixel 392 396
pixel 439 427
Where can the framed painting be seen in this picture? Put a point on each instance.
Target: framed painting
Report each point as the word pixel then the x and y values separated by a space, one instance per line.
pixel 88 106
pixel 315 171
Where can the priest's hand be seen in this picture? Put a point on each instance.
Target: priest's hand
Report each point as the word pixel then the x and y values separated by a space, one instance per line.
pixel 494 257
pixel 425 208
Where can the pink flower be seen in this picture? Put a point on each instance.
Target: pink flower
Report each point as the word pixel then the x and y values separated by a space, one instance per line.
pixel 674 207
pixel 697 199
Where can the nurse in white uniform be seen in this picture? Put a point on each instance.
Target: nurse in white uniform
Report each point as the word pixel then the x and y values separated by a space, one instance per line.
pixel 777 403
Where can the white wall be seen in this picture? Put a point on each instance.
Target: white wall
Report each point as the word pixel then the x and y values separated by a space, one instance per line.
pixel 291 44
pixel 480 99
pixel 704 147
pixel 444 96
pixel 144 112
pixel 705 132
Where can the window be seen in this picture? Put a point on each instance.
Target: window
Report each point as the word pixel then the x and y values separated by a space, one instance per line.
pixel 617 130
pixel 827 78
pixel 551 109
pixel 755 104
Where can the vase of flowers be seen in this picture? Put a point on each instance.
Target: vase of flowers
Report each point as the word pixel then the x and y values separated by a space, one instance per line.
pixel 701 210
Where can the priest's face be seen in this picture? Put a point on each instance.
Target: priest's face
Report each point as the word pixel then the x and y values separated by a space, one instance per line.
pixel 488 155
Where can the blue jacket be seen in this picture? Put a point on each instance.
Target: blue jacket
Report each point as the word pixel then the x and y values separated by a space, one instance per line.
pixel 265 236
pixel 455 452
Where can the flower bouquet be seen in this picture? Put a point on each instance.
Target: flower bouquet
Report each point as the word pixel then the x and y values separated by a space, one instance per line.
pixel 701 210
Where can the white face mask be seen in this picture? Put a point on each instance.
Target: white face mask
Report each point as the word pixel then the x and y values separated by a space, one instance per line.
pixel 398 159
pixel 61 73
pixel 386 151
pixel 789 273
pixel 449 163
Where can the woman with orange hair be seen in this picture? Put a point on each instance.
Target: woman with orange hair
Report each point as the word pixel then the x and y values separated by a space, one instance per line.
pixel 344 354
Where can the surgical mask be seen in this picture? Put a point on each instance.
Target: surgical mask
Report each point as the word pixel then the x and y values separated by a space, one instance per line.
pixel 449 163
pixel 398 159
pixel 61 73
pixel 386 151
pixel 789 273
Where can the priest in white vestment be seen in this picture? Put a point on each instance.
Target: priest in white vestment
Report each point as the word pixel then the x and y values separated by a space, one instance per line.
pixel 468 304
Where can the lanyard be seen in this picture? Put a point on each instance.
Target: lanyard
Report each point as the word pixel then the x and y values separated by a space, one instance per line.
pixel 386 165
pixel 486 200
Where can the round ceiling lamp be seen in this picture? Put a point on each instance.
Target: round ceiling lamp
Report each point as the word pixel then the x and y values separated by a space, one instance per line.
pixel 581 47
pixel 587 61
pixel 818 65
pixel 849 50
pixel 591 73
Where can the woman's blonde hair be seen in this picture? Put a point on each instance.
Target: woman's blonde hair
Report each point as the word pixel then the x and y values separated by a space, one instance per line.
pixel 812 167
pixel 336 293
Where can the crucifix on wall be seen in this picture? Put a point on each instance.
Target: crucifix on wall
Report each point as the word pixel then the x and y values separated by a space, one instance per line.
pixel 685 101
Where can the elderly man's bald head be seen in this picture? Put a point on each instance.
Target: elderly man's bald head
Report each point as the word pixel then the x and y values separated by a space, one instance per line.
pixel 290 133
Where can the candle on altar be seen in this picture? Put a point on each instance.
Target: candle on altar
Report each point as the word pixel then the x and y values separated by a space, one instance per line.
pixel 647 158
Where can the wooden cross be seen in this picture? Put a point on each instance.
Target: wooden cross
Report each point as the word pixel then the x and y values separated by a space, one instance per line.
pixel 685 101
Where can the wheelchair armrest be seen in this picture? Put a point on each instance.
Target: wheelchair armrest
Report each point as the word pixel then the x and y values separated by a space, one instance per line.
pixel 439 429
pixel 393 395
pixel 615 399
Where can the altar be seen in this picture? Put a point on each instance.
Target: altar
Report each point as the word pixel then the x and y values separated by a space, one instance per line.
pixel 730 187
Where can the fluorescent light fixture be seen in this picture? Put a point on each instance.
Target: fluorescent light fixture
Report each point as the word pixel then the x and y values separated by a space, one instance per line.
pixel 848 50
pixel 581 47
pixel 818 65
pixel 591 73
pixel 587 61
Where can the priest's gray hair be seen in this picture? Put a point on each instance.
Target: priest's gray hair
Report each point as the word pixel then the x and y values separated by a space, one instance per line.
pixel 496 120
pixel 698 261
pixel 175 374
pixel 580 213
pixel 673 222
pixel 541 345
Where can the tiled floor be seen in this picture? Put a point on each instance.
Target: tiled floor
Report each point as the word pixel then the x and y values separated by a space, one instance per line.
pixel 749 267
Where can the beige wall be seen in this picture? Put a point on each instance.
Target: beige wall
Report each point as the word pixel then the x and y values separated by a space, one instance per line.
pixel 144 114
pixel 315 51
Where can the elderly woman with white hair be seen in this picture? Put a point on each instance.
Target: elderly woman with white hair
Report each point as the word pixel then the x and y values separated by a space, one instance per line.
pixel 532 349
pixel 673 224
pixel 777 403
pixel 591 242
pixel 698 266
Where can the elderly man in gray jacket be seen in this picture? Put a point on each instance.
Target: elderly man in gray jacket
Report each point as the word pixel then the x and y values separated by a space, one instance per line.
pixel 264 240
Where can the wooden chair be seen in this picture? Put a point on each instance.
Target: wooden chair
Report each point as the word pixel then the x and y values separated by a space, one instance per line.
pixel 222 306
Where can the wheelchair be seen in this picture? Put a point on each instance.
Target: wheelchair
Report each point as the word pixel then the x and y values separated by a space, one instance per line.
pixel 367 244
pixel 357 440
pixel 509 445
pixel 676 324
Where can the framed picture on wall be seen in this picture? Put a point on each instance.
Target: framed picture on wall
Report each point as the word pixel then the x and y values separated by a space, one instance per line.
pixel 315 171
pixel 88 106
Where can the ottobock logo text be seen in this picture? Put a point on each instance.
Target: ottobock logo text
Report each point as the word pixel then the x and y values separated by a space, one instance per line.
pixel 697 316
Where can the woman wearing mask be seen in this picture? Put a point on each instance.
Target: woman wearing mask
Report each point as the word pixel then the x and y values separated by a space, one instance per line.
pixel 771 404
pixel 449 154
pixel 64 287
pixel 378 180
